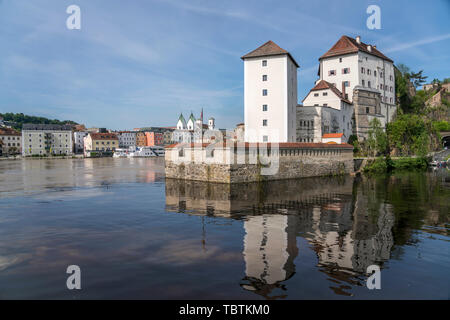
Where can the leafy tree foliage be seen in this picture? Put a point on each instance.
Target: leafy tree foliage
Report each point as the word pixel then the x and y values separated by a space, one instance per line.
pixel 19 119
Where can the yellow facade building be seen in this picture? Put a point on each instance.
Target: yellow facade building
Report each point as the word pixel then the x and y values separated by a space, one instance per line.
pixel 97 144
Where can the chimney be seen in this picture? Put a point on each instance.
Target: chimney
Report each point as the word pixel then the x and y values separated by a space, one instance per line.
pixel 369 48
pixel 358 39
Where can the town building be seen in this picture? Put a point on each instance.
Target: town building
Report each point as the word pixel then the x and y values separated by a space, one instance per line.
pixel 325 110
pixel 126 139
pixel 100 144
pixel 154 138
pixel 46 139
pixel 141 139
pixel 365 77
pixel 78 139
pixel 11 140
pixel 168 136
pixel 270 94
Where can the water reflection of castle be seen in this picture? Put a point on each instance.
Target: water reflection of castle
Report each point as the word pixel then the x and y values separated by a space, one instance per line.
pixel 329 213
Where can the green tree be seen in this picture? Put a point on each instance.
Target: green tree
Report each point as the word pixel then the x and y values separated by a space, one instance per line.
pixel 377 142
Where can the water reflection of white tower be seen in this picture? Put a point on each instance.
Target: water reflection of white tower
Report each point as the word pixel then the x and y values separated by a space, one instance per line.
pixel 269 250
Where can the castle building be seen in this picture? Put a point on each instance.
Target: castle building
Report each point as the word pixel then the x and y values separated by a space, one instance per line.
pixel 365 77
pixel 325 110
pixel 270 94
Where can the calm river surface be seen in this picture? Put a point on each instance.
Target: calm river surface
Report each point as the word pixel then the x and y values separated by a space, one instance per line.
pixel 135 235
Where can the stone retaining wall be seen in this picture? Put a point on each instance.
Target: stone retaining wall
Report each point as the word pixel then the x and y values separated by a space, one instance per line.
pixel 292 163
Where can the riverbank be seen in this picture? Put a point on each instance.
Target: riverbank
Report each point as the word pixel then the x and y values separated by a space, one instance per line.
pixel 387 164
pixel 19 157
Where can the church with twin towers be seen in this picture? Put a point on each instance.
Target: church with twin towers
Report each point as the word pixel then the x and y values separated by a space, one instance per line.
pixel 356 84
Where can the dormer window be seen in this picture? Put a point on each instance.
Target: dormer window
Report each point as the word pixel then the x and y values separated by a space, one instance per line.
pixel 264 63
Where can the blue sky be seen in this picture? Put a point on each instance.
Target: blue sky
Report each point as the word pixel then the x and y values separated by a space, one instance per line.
pixel 140 63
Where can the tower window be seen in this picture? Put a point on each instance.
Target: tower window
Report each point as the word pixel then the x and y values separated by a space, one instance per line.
pixel 264 77
pixel 265 123
pixel 265 139
pixel 264 63
pixel 264 107
pixel 264 92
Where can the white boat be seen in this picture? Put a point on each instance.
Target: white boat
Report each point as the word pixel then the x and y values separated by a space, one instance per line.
pixel 153 151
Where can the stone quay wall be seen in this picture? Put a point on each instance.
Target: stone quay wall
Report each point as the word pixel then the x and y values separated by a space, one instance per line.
pixel 298 160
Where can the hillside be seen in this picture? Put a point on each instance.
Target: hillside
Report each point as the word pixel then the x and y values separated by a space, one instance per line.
pixel 18 119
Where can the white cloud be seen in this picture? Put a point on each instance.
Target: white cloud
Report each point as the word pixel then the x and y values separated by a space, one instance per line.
pixel 408 45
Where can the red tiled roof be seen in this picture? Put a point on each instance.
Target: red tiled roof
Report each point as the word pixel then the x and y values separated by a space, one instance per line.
pixel 103 136
pixel 9 132
pixel 323 85
pixel 346 45
pixel 281 145
pixel 332 135
pixel 269 48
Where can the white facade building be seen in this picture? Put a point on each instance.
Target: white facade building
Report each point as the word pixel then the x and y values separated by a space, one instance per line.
pixel 78 139
pixel 270 94
pixel 326 95
pixel 351 64
pixel 46 139
pixel 126 139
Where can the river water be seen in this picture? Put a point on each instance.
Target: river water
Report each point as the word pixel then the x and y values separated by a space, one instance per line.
pixel 136 236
